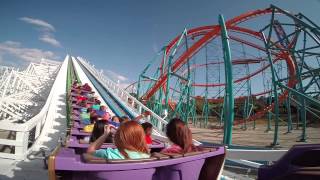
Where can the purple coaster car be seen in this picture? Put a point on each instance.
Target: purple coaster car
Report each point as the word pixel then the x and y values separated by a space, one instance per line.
pixel 204 165
pixel 71 163
pixel 77 132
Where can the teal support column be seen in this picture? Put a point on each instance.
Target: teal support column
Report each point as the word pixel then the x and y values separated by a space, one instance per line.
pixel 249 101
pixel 229 99
pixel 169 73
pixel 288 103
pixel 139 86
pixel 303 112
pixel 254 124
pixel 298 118
pixel 275 93
pixel 188 106
pixel 269 114
pixel 222 115
pixel 223 119
pixel 247 109
pixel 168 84
pixel 205 109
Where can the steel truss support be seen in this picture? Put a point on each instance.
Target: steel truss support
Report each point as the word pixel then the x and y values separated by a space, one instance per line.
pixel 287 45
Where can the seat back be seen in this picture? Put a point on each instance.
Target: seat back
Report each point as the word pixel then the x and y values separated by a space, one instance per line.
pixel 300 159
pixel 146 173
pixel 212 167
pixel 115 175
pixel 182 171
pixel 189 170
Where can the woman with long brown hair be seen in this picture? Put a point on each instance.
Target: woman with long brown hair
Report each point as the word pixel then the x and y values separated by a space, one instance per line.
pixel 180 135
pixel 129 140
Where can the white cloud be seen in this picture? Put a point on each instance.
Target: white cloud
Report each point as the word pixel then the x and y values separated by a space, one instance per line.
pixel 48 38
pixel 12 43
pixel 115 76
pixel 28 54
pixel 38 22
pixel 46 30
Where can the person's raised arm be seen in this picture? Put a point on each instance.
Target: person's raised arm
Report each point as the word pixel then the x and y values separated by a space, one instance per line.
pixel 144 114
pixel 98 143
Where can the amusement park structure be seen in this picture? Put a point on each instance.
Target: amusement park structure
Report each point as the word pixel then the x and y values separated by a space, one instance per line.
pixel 259 68
pixel 24 103
pixel 261 65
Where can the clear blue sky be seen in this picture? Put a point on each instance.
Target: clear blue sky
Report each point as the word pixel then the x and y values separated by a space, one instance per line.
pixel 119 36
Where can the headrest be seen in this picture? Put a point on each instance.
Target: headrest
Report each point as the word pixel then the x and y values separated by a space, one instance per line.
pixel 196 152
pixel 173 155
pixel 88 158
pixel 160 156
pixel 200 150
